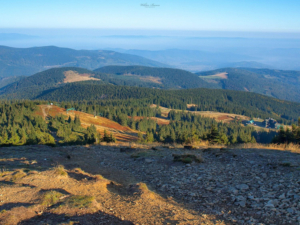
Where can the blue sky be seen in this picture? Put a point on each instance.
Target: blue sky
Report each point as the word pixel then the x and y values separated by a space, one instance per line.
pixel 215 15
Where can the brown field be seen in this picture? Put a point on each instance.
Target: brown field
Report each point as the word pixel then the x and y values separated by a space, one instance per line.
pixel 152 79
pixel 72 76
pixel 159 121
pixel 224 117
pixel 190 105
pixel 120 132
pixel 210 78
pixel 221 75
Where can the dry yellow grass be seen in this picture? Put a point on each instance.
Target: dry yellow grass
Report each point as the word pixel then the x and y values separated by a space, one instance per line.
pixel 72 76
pixel 216 76
pixel 152 79
pixel 282 147
pixel 121 133
pixel 224 117
pixel 221 75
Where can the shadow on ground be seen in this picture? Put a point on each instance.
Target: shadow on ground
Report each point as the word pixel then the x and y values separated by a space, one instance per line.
pixel 87 219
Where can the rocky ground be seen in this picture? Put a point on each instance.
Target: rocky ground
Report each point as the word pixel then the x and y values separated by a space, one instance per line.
pixel 226 186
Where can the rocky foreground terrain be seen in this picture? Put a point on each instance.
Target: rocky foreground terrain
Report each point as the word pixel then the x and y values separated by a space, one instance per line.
pixel 143 185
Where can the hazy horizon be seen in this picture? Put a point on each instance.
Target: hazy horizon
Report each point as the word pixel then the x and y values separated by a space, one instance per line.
pixel 265 33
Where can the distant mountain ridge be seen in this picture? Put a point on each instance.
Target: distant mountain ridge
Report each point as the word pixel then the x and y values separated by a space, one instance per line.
pixel 140 76
pixel 28 61
pixel 274 83
pixel 169 78
pixel 281 84
pixel 196 60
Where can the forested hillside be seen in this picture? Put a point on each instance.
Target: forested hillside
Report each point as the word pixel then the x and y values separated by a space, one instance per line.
pixel 32 86
pixel 275 83
pixel 237 102
pixel 20 124
pixel 28 61
pixel 168 78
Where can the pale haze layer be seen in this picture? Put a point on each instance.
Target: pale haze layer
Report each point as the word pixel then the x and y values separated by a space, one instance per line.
pixel 264 33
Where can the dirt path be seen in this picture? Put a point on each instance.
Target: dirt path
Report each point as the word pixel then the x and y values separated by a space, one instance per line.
pixel 45 109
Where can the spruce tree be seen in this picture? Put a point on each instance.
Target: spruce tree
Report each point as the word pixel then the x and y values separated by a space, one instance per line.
pixel 214 136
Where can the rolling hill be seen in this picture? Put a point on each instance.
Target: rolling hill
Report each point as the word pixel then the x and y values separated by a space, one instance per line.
pixel 167 78
pixel 273 83
pixel 237 102
pixel 28 61
pixel 163 78
pixel 281 84
pixel 31 86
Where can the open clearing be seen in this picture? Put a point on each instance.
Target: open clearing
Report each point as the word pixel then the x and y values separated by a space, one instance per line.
pixel 216 76
pixel 152 79
pixel 120 132
pixel 221 117
pixel 72 76
pixel 159 121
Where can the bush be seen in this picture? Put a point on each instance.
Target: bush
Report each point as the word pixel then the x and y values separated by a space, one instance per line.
pixel 60 171
pixel 51 198
pixel 79 201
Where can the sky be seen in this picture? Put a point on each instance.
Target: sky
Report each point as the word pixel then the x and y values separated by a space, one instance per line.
pixel 195 15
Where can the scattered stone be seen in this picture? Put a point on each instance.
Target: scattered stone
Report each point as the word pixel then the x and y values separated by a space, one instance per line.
pixel 242 187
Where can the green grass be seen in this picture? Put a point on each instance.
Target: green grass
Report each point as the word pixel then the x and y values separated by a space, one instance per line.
pixel 187 158
pixel 60 171
pixel 143 186
pixel 51 198
pixel 79 201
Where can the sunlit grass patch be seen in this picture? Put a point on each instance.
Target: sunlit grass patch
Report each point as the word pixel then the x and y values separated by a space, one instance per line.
pixel 51 198
pixel 17 175
pixel 60 171
pixel 79 201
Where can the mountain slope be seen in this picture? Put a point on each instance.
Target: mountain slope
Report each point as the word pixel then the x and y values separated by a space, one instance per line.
pixel 167 77
pixel 237 102
pixel 275 83
pixel 31 86
pixel 27 61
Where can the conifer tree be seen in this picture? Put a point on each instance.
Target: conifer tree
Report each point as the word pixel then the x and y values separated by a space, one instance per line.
pixel 214 136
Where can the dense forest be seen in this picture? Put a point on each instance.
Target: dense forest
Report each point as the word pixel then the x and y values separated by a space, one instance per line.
pixel 237 102
pixel 289 136
pixel 20 125
pixel 184 127
pixel 169 78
